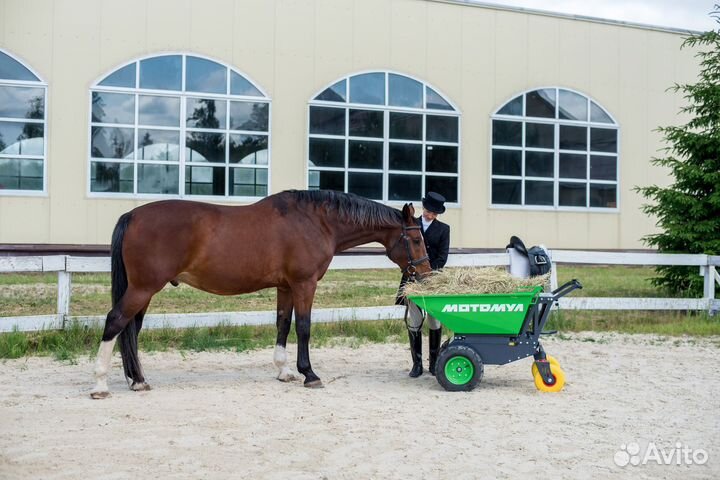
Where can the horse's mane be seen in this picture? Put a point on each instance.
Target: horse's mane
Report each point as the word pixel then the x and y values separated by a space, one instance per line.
pixel 350 207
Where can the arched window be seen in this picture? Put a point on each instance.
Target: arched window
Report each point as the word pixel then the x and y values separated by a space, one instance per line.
pixel 22 128
pixel 179 125
pixel 384 136
pixel 554 148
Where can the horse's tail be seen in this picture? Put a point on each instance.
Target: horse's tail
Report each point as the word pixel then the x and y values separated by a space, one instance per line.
pixel 128 336
pixel 119 275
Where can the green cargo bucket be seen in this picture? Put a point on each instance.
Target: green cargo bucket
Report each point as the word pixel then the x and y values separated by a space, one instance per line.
pixel 490 314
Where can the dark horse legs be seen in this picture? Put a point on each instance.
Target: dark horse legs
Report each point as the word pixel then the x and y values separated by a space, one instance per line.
pixel 284 317
pixel 303 295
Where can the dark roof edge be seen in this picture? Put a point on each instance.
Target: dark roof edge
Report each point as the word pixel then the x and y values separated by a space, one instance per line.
pixel 569 16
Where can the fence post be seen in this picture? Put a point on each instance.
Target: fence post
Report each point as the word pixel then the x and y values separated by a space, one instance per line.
pixel 553 277
pixel 708 273
pixel 63 296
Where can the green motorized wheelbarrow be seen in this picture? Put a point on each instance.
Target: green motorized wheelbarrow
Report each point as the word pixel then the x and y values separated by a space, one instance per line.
pixel 494 329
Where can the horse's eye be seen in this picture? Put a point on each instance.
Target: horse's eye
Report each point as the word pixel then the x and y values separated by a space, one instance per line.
pixel 417 241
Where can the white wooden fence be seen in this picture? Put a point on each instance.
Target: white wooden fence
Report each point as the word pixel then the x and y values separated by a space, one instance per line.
pixel 66 265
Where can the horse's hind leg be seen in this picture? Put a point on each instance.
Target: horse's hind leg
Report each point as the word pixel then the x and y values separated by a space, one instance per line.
pixel 116 321
pixel 284 317
pixel 135 369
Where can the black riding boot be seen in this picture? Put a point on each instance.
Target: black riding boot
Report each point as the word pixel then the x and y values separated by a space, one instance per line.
pixel 435 336
pixel 416 353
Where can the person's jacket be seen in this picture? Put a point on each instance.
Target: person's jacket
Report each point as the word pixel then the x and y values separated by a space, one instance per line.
pixel 437 244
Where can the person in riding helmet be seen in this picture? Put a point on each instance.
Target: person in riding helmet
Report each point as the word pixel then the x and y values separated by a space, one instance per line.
pixel 437 244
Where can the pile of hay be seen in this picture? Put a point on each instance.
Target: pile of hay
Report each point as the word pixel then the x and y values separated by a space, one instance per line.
pixel 473 280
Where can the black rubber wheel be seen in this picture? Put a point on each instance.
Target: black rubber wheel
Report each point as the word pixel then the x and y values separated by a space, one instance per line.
pixel 459 368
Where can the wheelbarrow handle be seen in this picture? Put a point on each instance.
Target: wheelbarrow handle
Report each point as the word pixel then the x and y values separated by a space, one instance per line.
pixel 560 292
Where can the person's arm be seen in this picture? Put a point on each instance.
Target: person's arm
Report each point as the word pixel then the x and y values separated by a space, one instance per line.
pixel 443 250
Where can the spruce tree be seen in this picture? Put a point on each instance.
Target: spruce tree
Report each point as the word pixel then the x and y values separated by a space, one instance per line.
pixel 688 210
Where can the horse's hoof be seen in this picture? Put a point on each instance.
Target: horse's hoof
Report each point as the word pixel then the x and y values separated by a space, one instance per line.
pixel 99 395
pixel 288 377
pixel 140 387
pixel 314 384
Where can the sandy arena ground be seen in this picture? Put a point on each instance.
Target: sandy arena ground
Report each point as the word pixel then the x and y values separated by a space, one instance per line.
pixel 223 415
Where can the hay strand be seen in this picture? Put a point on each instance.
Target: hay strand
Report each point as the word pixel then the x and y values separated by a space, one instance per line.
pixel 473 280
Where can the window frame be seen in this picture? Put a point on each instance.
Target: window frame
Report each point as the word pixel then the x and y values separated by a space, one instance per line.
pixel 183 95
pixel 556 151
pixel 40 83
pixel 386 171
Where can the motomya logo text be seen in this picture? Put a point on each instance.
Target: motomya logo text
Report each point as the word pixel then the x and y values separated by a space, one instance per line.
pixel 483 307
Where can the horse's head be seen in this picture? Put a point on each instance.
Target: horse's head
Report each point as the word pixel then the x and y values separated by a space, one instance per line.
pixel 409 250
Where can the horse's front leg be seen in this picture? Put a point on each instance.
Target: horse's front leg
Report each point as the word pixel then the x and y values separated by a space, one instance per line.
pixel 284 317
pixel 303 295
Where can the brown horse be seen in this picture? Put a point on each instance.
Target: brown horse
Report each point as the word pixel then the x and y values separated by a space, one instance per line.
pixel 286 241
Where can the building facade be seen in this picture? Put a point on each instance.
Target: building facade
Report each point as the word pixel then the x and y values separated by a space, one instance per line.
pixel 531 124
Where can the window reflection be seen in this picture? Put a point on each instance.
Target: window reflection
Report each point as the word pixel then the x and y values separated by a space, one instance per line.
pixel 334 93
pixel 248 182
pixel 402 149
pixel 18 138
pixel 160 111
pixel 166 143
pixel 21 174
pixel 112 142
pixel 249 149
pixel 404 91
pixel 11 69
pixel 540 103
pixel 206 113
pixel 22 102
pixel 204 147
pixel 123 77
pixel 113 108
pixel 368 88
pixel 111 177
pixel 161 73
pixel 158 145
pixel 249 116
pixel 204 180
pixel 582 151
pixel 163 179
pixel 205 76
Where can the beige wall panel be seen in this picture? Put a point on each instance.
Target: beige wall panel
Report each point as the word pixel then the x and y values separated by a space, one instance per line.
pixel 168 25
pixel 634 53
pixel 123 30
pixel 604 52
pixel 68 117
pixel 574 61
pixel 29 34
pixel 101 216
pixel 371 34
pixel 5 20
pixel 443 38
pixel 334 35
pixel 408 37
pixel 295 33
pixel 511 66
pixel 663 53
pixel 542 50
pixel 290 122
pixel 254 31
pixel 211 28
pixel 604 231
pixel 24 218
pixel 478 44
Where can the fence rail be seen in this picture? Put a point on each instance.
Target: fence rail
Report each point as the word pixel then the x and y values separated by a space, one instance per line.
pixel 66 265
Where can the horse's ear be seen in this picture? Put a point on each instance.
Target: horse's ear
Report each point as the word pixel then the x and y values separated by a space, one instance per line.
pixel 408 212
